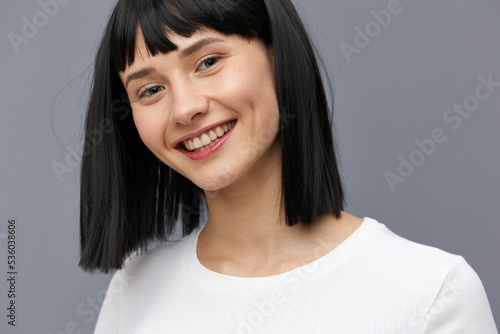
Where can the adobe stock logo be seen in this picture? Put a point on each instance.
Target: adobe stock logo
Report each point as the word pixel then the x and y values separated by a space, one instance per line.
pixel 454 117
pixel 30 28
pixel 372 29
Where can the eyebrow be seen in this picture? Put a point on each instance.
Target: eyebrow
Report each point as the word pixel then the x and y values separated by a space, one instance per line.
pixel 198 45
pixel 139 74
pixel 183 54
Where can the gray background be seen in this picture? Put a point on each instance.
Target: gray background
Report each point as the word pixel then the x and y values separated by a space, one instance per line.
pixel 394 91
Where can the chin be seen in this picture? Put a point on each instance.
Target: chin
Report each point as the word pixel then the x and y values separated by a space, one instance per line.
pixel 216 181
pixel 213 184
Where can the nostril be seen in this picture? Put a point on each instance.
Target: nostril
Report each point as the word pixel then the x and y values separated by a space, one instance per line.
pixel 186 108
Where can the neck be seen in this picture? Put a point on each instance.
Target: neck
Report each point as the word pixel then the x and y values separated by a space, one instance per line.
pixel 244 217
pixel 246 235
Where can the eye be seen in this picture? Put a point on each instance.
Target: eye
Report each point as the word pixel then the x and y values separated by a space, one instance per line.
pixel 151 91
pixel 208 62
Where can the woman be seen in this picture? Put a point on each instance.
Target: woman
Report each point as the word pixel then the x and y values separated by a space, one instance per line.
pixel 229 112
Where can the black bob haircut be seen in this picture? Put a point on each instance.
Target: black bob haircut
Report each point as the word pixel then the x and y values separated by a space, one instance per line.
pixel 128 197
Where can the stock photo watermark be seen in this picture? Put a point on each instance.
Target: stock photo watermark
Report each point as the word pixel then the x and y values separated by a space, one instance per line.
pixel 372 29
pixel 94 138
pixel 8 241
pixel 88 310
pixel 292 280
pixel 450 292
pixel 48 9
pixel 454 118
pixel 225 172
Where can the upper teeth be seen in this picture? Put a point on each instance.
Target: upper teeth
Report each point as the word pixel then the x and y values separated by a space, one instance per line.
pixel 207 137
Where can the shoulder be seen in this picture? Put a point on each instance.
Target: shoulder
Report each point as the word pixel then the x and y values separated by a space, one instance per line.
pixel 404 265
pixel 134 286
pixel 443 285
pixel 397 249
pixel 141 270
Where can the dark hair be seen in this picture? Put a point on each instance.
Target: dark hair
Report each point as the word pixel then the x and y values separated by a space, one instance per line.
pixel 128 196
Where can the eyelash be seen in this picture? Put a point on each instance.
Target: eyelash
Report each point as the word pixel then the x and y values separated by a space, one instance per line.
pixel 210 58
pixel 143 94
pixel 148 89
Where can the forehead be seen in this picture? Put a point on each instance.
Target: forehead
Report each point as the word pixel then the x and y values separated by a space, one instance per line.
pixel 204 36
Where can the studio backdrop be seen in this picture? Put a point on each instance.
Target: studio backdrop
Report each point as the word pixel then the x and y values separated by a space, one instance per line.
pixel 417 113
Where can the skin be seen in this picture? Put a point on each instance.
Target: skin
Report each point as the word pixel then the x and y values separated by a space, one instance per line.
pixel 232 78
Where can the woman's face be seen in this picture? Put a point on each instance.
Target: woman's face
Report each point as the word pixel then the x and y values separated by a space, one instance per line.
pixel 208 109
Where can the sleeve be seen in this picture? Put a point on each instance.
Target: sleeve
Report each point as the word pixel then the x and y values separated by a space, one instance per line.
pixel 461 306
pixel 108 320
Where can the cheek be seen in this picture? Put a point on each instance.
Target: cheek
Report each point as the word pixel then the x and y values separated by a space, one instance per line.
pixel 246 81
pixel 247 89
pixel 256 93
pixel 150 130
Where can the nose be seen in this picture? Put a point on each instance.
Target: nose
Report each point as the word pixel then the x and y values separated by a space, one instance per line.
pixel 188 103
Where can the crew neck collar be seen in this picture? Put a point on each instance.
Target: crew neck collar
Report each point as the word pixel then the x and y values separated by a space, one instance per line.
pixel 217 282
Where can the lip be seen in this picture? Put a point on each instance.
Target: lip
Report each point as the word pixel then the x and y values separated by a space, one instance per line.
pixel 198 133
pixel 205 154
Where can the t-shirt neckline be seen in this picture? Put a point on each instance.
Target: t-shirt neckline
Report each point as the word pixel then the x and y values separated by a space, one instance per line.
pixel 215 281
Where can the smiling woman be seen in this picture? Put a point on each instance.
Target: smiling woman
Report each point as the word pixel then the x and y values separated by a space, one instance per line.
pixel 211 98
pixel 229 115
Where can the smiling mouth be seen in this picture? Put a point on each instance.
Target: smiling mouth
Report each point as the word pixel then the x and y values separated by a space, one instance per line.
pixel 207 139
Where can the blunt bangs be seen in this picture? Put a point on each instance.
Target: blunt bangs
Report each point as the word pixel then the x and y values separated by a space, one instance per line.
pixel 183 18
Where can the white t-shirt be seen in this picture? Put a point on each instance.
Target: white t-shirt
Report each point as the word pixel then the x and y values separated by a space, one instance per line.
pixel 374 282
